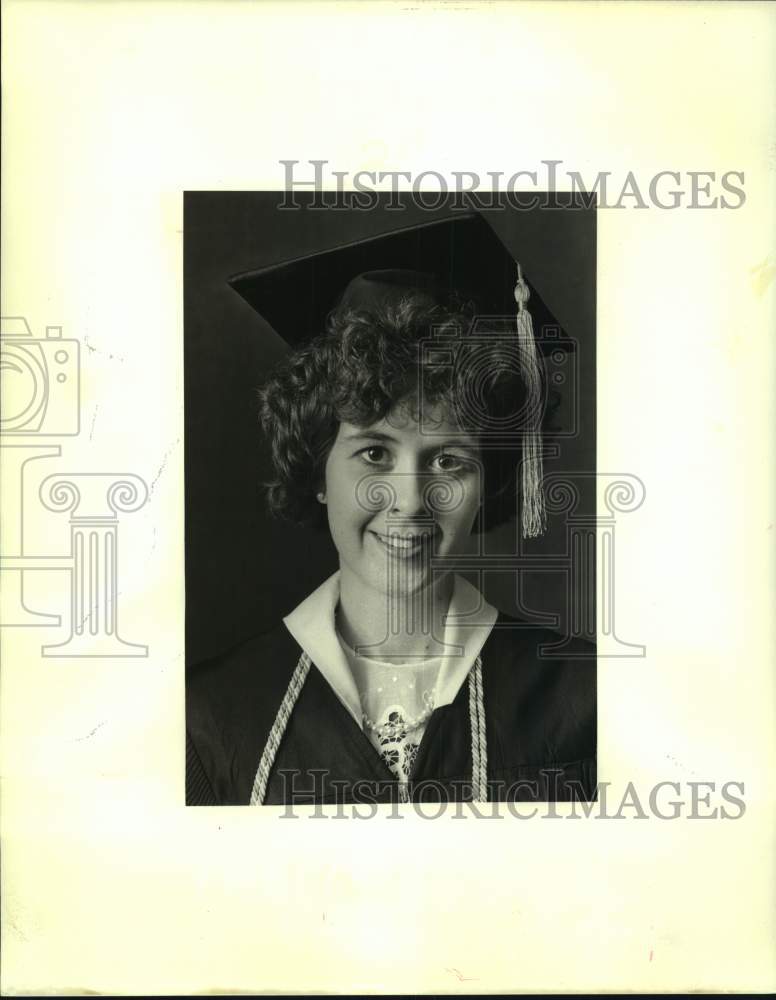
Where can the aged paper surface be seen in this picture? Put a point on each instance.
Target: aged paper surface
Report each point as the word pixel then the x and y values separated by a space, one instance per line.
pixel 110 112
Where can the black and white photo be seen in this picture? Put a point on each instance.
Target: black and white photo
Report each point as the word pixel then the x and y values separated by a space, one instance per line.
pixel 412 433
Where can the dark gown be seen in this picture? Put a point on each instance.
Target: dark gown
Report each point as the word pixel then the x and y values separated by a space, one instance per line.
pixel 540 710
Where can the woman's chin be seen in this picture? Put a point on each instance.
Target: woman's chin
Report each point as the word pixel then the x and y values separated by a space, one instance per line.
pixel 406 580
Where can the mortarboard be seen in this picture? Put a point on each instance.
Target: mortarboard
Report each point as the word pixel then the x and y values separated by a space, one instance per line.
pixel 459 256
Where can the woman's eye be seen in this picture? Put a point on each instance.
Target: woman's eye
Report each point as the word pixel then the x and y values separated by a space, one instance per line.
pixel 374 455
pixel 449 463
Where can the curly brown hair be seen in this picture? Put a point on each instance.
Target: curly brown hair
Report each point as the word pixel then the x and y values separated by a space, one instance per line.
pixel 361 368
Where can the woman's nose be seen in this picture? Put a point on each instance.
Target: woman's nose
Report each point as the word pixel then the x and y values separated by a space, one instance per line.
pixel 409 494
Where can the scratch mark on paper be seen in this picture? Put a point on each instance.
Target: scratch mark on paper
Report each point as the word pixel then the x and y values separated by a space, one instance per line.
pixel 88 735
pixel 763 275
pixel 460 976
pixel 162 467
pixel 96 350
pixel 14 926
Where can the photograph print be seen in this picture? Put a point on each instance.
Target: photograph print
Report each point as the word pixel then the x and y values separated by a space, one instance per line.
pixel 390 499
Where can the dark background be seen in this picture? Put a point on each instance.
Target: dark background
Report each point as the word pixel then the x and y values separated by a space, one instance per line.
pixel 245 570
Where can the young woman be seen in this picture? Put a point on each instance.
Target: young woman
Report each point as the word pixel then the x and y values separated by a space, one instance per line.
pixel 404 428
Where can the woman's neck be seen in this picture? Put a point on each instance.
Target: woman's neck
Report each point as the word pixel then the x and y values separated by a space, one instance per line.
pixel 383 627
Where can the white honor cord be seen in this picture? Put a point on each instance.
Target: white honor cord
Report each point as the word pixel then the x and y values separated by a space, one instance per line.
pixel 479 739
pixel 278 729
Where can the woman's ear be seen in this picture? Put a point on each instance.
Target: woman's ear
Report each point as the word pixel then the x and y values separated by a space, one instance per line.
pixel 320 497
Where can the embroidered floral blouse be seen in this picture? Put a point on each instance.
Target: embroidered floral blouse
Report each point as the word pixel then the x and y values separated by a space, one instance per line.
pixel 396 700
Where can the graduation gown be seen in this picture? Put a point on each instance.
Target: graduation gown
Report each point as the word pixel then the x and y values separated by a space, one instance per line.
pixel 539 715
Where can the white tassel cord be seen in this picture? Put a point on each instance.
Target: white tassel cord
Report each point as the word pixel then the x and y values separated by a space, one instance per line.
pixel 533 513
pixel 278 728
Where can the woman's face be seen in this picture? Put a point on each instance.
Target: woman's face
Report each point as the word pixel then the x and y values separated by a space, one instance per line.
pixel 398 494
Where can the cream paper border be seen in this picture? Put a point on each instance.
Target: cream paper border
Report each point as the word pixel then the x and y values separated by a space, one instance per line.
pixel 110 111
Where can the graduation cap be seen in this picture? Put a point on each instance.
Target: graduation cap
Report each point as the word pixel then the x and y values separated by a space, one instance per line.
pixel 457 257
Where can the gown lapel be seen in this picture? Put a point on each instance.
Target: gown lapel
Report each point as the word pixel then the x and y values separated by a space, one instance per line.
pixel 325 749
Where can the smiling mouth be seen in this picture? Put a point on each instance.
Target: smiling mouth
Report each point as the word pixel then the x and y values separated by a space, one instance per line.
pixel 403 545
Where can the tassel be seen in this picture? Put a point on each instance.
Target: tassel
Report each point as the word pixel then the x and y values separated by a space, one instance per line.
pixel 533 513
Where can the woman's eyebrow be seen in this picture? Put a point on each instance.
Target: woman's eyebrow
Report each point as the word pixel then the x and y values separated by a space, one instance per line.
pixel 370 436
pixel 467 443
